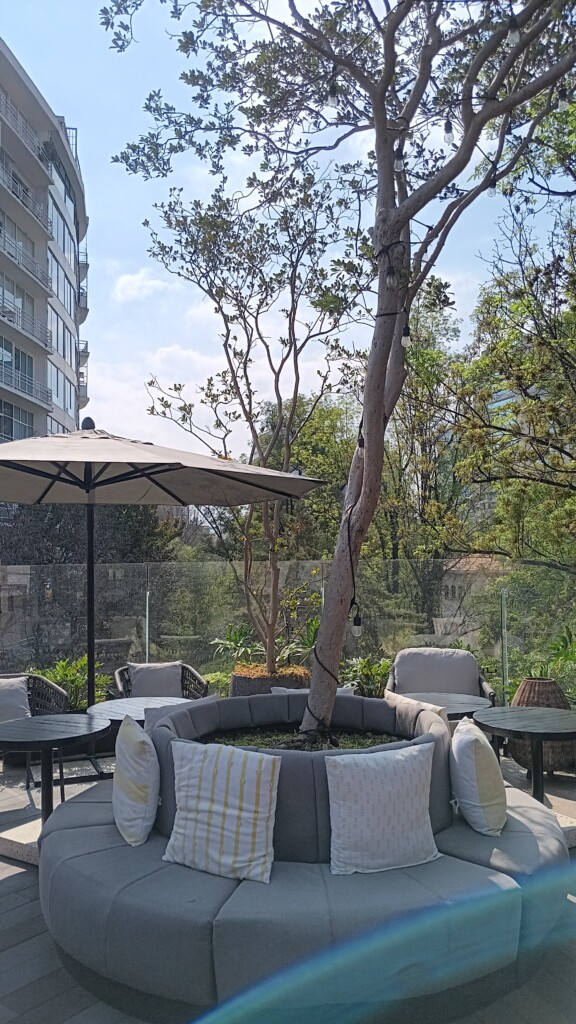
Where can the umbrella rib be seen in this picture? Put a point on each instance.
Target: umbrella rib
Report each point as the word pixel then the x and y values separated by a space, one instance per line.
pixel 153 480
pixel 44 474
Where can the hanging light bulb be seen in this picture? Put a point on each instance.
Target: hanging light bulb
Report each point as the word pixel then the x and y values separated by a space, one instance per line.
pixel 492 186
pixel 513 36
pixel 391 279
pixel 361 446
pixel 448 133
pixel 332 100
pixel 563 103
pixel 406 340
pixel 398 160
pixel 357 625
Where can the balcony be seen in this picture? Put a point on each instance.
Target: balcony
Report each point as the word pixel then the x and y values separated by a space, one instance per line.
pixel 12 314
pixel 82 304
pixel 83 352
pixel 25 199
pixel 22 129
pixel 18 253
pixel 25 385
pixel 82 264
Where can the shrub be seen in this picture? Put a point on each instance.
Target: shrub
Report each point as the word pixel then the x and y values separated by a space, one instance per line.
pixel 72 676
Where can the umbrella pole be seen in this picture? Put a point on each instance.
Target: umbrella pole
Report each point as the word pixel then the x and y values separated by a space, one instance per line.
pixel 90 602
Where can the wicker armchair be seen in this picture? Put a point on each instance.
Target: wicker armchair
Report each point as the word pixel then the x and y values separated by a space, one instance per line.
pixel 193 685
pixel 44 698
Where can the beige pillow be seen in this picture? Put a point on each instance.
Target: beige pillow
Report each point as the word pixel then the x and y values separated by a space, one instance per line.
pixel 477 783
pixel 136 785
pixel 156 679
pixel 14 698
pixel 399 698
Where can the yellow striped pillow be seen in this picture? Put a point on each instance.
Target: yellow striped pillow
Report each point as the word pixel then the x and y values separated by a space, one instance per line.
pixel 225 810
pixel 136 785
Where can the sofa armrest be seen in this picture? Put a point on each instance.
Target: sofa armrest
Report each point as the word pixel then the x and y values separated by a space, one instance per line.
pixel 487 691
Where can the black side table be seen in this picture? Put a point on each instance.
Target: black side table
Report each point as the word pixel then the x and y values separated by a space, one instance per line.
pixel 458 705
pixel 534 724
pixel 42 734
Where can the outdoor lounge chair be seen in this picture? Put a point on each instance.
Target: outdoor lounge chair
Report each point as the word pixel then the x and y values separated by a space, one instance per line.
pixel 438 670
pixel 44 698
pixel 192 685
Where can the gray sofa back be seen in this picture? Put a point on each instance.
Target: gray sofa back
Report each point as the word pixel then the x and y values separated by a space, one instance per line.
pixel 434 669
pixel 302 825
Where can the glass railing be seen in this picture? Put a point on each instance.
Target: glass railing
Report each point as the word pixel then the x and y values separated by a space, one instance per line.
pixel 18 122
pixel 25 385
pixel 25 198
pixel 13 314
pixel 19 254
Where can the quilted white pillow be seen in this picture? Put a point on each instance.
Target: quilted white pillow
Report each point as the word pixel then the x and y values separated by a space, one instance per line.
pixel 477 783
pixel 225 810
pixel 136 785
pixel 379 809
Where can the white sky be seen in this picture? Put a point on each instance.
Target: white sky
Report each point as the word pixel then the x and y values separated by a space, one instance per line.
pixel 143 321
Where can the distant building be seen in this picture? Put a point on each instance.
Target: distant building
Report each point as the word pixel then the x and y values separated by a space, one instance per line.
pixel 43 295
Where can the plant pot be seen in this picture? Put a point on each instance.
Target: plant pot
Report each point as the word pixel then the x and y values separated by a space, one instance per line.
pixel 544 693
pixel 244 685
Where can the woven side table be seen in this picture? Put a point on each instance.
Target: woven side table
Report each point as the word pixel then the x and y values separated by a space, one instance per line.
pixel 544 693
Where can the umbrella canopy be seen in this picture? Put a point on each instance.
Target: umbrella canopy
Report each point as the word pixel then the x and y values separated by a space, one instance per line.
pixel 91 467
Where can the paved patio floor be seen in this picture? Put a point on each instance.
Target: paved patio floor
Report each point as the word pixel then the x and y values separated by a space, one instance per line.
pixel 35 988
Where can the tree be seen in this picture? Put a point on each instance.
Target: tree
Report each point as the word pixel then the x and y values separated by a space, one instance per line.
pixel 260 85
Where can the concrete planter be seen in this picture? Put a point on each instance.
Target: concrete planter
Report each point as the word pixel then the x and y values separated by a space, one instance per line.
pixel 247 686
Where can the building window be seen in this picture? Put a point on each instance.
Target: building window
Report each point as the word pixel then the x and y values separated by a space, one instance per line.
pixel 15 423
pixel 453 592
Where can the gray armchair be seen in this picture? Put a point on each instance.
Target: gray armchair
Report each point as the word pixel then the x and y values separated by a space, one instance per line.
pixel 438 670
pixel 190 683
pixel 44 698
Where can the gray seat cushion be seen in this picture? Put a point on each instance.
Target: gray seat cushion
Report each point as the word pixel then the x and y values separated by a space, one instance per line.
pixel 435 669
pixel 126 914
pixel 531 849
pixel 443 919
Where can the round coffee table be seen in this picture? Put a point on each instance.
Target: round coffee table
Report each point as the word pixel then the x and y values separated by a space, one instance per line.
pixel 457 705
pixel 136 707
pixel 534 724
pixel 44 733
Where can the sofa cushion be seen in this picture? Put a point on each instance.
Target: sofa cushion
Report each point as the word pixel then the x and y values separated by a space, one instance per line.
pixel 442 919
pixel 477 783
pixel 156 679
pixel 531 849
pixel 400 700
pixel 225 808
pixel 440 669
pixel 14 698
pixel 135 919
pixel 152 716
pixel 379 810
pixel 136 784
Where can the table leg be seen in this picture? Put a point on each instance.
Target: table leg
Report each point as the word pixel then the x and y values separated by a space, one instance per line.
pixel 46 777
pixel 537 770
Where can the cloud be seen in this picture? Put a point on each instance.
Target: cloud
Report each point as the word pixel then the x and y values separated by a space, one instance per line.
pixel 130 287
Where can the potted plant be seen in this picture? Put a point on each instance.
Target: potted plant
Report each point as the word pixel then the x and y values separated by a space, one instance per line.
pixel 368 675
pixel 251 674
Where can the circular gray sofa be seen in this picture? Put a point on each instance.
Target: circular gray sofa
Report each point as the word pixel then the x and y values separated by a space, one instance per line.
pixel 199 939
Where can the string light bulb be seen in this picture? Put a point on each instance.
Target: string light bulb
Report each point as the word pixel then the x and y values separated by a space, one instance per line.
pixel 563 99
pixel 513 36
pixel 492 186
pixel 448 132
pixel 398 160
pixel 332 100
pixel 391 279
pixel 406 341
pixel 357 625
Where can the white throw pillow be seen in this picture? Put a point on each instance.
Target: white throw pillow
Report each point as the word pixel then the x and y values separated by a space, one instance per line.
pixel 14 698
pixel 136 785
pixel 154 715
pixel 399 698
pixel 225 810
pixel 477 783
pixel 379 813
pixel 158 679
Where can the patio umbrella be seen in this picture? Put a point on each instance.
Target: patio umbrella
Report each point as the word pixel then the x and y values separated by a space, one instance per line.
pixel 91 467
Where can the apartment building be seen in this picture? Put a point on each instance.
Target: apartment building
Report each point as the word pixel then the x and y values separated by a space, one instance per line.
pixel 43 263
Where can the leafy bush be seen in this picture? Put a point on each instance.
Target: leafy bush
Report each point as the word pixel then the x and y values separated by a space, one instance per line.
pixel 72 676
pixel 241 643
pixel 219 682
pixel 369 675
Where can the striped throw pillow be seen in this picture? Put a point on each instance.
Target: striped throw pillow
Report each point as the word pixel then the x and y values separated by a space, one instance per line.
pixel 225 810
pixel 136 785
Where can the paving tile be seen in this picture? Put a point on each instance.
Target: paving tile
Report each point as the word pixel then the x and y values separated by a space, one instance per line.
pixel 39 990
pixel 57 1010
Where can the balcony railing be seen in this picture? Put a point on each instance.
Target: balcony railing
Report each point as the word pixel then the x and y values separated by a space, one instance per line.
pixel 83 298
pixel 23 258
pixel 25 385
pixel 25 198
pixel 18 122
pixel 12 314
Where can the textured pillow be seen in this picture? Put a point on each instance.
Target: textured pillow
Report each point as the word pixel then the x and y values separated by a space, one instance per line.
pixel 136 785
pixel 477 783
pixel 379 814
pixel 399 698
pixel 14 698
pixel 347 689
pixel 225 810
pixel 154 715
pixel 160 679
